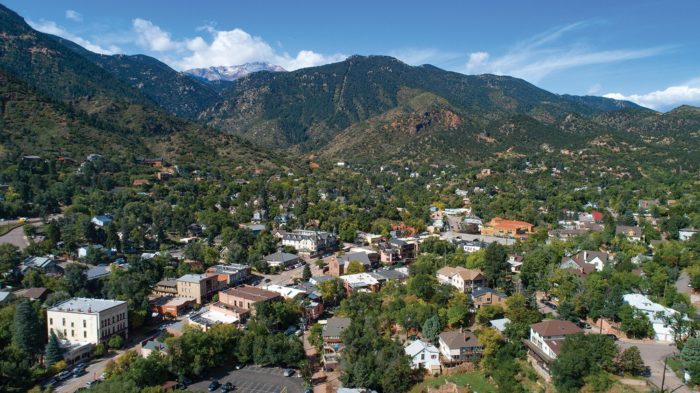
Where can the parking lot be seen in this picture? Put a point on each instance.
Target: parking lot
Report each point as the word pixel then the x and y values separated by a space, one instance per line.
pixel 253 379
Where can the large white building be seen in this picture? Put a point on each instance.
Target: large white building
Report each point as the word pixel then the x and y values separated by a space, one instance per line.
pixel 424 356
pixel 88 320
pixel 310 242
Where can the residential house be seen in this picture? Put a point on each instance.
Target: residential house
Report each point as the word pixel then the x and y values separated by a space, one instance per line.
pixel 338 265
pixel 246 296
pixel 545 341
pixel 501 227
pixel 646 204
pixel 458 347
pixel 6 297
pixel 472 225
pixel 102 220
pixel 424 356
pixel 656 313
pixel 470 246
pixel 312 243
pixel 199 287
pixel 333 342
pixel 38 293
pixel 461 278
pixel 46 265
pixel 516 262
pixel 481 296
pixel 281 259
pixel 597 259
pixel 633 234
pixel 686 233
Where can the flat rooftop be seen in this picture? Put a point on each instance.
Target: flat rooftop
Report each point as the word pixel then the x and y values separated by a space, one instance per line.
pixel 86 305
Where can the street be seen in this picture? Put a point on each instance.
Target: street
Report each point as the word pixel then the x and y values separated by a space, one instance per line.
pixel 653 355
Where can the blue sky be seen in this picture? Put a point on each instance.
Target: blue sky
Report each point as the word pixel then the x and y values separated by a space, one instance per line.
pixel 645 51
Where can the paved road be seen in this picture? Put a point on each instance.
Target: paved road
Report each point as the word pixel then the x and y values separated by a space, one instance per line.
pixel 94 371
pixel 683 282
pixel 653 355
pixel 253 379
pixel 15 237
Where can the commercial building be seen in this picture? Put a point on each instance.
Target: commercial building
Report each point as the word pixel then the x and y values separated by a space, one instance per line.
pixel 199 287
pixel 245 297
pixel 501 227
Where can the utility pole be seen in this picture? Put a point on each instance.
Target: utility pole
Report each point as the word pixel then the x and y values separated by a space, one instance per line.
pixel 663 376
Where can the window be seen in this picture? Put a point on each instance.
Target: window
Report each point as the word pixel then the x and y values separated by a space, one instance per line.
pixel 84 323
pixel 64 321
pixel 72 324
pixel 50 321
pixel 84 334
pixel 72 333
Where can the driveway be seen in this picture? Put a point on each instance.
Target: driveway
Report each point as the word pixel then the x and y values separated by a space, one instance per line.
pixel 653 355
pixel 253 379
pixel 15 237
pixel 682 283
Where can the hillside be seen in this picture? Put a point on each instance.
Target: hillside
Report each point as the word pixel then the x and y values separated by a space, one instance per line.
pixel 326 108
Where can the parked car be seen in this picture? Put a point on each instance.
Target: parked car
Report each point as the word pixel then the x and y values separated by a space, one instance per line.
pixel 64 375
pixel 78 372
pixel 227 387
pixel 288 372
pixel 213 385
pixel 92 383
pixel 583 325
pixel 612 336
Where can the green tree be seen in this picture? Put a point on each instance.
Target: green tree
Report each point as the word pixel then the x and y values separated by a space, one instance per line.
pixel 431 328
pixel 422 285
pixel 74 278
pixel 306 273
pixel 489 312
pixel 496 266
pixel 457 310
pixel 53 352
pixel 631 361
pixel 355 267
pixel 582 356
pixel 27 329
pixel 635 323
pixel 115 342
pixel 690 354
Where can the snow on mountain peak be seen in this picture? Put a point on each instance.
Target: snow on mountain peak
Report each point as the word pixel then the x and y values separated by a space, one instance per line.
pixel 231 73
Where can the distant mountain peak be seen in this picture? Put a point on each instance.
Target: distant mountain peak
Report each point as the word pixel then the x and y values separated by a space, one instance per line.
pixel 231 73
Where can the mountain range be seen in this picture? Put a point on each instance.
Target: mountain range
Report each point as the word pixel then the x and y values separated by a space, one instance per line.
pixel 365 108
pixel 231 73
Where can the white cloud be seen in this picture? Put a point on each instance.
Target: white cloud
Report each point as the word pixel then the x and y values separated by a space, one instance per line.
pixel 595 89
pixel 51 27
pixel 151 37
pixel 225 47
pixel 74 16
pixel 668 98
pixel 541 55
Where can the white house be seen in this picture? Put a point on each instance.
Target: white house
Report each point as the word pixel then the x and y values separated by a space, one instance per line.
pixel 686 233
pixel 545 341
pixel 656 313
pixel 102 220
pixel 461 278
pixel 424 356
pixel 458 347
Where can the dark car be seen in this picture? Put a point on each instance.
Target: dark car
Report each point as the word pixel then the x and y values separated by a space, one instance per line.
pixel 78 372
pixel 213 385
pixel 612 336
pixel 583 325
pixel 227 387
pixel 288 372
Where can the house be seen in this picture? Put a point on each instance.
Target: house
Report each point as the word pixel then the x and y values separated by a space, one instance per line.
pixel 564 234
pixel 458 347
pixel 656 313
pixel 39 293
pixel 6 297
pixel 312 243
pixel 545 341
pixel 281 260
pixel 499 324
pixel 46 265
pixel 199 287
pixel 216 314
pixel 516 262
pixel 646 204
pixel 486 296
pixel 501 227
pixel 246 296
pixel 461 278
pixel 406 250
pixel 472 225
pixel 102 220
pixel 338 265
pixel 633 234
pixel 333 342
pixel 584 260
pixel 470 246
pixel 99 271
pixel 84 251
pixel 424 356
pixel 364 282
pixel 686 233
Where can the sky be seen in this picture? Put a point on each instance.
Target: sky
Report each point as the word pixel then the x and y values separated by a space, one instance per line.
pixel 642 50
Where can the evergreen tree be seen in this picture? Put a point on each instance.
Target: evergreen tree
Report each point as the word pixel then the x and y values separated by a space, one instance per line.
pixel 306 274
pixel 27 329
pixel 431 328
pixel 53 352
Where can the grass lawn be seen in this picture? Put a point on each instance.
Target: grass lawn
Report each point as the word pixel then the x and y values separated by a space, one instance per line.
pixel 4 229
pixel 475 379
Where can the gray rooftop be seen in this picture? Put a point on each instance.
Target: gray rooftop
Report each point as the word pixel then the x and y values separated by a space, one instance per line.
pixel 86 305
pixel 335 326
pixel 192 278
pixel 280 256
